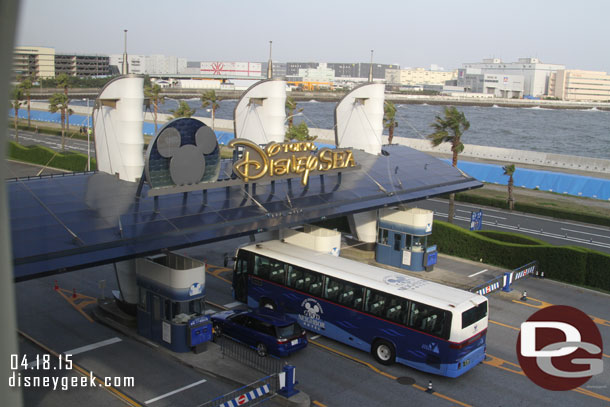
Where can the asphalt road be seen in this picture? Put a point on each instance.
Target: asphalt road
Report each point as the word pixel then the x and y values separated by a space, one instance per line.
pixel 27 138
pixel 555 231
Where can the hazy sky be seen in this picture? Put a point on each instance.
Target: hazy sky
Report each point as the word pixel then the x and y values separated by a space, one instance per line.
pixel 410 33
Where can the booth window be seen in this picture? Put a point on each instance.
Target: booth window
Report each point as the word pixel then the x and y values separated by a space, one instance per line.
pixel 142 298
pixel 383 236
pixel 397 239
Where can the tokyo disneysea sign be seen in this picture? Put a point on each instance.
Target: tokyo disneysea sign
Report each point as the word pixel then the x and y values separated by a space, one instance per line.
pixel 286 160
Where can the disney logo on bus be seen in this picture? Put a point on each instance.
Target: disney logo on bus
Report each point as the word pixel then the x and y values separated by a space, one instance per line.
pixel 404 282
pixel 280 159
pixel 310 318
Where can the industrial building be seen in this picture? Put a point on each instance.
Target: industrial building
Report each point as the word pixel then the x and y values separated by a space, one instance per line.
pixel 417 76
pixel 82 65
pixel 38 62
pixel 578 85
pixel 535 73
pixel 152 64
pixel 501 86
pixel 342 70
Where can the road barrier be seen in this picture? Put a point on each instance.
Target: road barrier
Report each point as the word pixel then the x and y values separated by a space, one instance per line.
pixel 257 391
pixel 504 281
pixel 247 355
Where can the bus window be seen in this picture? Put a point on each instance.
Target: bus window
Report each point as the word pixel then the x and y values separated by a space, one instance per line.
pixel 344 293
pixel 430 319
pixel 269 269
pixel 474 314
pixel 312 282
pixel 295 277
pixel 396 309
pixel 375 302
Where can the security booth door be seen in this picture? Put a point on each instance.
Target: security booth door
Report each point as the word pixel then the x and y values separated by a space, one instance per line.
pixel 156 304
pixel 240 277
pixel 396 241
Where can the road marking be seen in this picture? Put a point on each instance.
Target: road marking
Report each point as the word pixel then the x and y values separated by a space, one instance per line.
pixel 389 376
pixel 515 368
pixel 233 304
pixel 504 325
pixel 313 338
pixel 317 403
pixel 586 233
pixel 210 312
pixel 96 345
pixel 171 393
pixel 486 215
pixel 477 273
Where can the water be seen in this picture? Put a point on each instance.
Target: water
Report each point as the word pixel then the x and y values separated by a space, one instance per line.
pixel 572 132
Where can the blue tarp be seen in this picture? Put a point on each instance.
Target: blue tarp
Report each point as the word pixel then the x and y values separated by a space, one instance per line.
pixel 570 184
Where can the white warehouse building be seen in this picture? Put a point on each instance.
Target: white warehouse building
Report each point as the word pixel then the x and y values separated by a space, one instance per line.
pixel 535 74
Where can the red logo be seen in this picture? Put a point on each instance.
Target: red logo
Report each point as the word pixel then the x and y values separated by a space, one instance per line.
pixel 560 348
pixel 217 67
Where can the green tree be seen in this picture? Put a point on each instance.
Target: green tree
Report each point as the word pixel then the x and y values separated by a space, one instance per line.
pixel 509 170
pixel 389 119
pixel 17 101
pixel 69 113
pixel 209 99
pixel 153 93
pixel 59 102
pixel 26 85
pixel 291 107
pixel 63 80
pixel 183 110
pixel 299 132
pixel 450 129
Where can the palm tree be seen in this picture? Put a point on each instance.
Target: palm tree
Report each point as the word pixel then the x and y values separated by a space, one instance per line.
pixel 389 119
pixel 26 85
pixel 510 171
pixel 291 106
pixel 209 99
pixel 62 82
pixel 183 110
pixel 153 93
pixel 59 102
pixel 450 129
pixel 69 113
pixel 17 97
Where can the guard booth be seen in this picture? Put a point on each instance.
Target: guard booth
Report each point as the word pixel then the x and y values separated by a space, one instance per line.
pixel 171 302
pixel 402 239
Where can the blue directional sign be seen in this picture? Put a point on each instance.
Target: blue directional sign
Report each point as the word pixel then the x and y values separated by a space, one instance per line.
pixel 476 220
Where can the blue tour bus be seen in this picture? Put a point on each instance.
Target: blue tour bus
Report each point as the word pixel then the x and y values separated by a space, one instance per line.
pixel 422 324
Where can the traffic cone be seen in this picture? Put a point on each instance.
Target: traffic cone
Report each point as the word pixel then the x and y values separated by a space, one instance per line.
pixel 56 286
pixel 74 293
pixel 430 389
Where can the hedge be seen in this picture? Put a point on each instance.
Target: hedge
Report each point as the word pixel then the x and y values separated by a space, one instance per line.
pixel 68 160
pixel 535 209
pixel 571 264
pixel 510 237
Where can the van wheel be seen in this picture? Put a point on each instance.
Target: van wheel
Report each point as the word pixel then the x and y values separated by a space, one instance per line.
pixel 266 303
pixel 384 352
pixel 261 350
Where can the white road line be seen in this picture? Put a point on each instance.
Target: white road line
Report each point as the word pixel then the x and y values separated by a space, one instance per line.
pixel 484 214
pixel 313 338
pixel 210 312
pixel 171 393
pixel 233 304
pixel 96 345
pixel 477 273
pixel 586 233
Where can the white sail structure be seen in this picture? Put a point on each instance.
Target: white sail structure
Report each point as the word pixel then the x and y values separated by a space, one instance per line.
pixel 359 125
pixel 359 118
pixel 260 112
pixel 118 117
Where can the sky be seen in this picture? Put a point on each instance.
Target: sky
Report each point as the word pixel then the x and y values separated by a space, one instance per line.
pixel 405 32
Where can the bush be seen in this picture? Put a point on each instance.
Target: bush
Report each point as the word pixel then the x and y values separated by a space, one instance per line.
pixel 68 160
pixel 571 264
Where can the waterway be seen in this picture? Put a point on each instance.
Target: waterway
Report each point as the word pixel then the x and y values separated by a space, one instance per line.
pixel 572 132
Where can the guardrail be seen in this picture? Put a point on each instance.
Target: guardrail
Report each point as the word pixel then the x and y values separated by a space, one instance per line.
pixel 247 355
pixel 504 281
pixel 255 392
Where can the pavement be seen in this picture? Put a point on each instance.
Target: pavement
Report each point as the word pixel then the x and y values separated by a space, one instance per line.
pixel 211 361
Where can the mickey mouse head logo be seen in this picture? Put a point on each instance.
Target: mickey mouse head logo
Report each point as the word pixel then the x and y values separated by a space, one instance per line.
pixel 187 162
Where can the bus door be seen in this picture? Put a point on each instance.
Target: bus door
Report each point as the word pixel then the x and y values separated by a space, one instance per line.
pixel 240 277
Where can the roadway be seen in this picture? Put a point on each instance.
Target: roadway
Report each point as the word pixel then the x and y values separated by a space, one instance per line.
pixel 51 141
pixel 331 373
pixel 555 231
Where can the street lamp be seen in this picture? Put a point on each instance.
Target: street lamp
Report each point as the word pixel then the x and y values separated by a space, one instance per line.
pixel 88 137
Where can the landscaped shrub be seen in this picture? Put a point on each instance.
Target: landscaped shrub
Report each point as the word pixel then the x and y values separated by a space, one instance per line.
pixel 598 270
pixel 68 160
pixel 510 237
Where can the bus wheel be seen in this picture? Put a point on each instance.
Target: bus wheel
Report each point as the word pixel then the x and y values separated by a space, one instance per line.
pixel 261 349
pixel 383 352
pixel 266 303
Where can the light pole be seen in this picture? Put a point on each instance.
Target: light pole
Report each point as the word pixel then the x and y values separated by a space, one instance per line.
pixel 88 137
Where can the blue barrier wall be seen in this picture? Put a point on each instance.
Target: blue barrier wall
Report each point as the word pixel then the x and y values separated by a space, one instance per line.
pixel 570 184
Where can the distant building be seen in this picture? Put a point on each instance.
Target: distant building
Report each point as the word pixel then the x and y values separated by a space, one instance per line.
pixel 342 70
pixel 279 69
pixel 417 76
pixel 150 64
pixel 82 65
pixel 473 80
pixel 38 62
pixel 136 64
pixel 320 74
pixel 535 73
pixel 589 86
